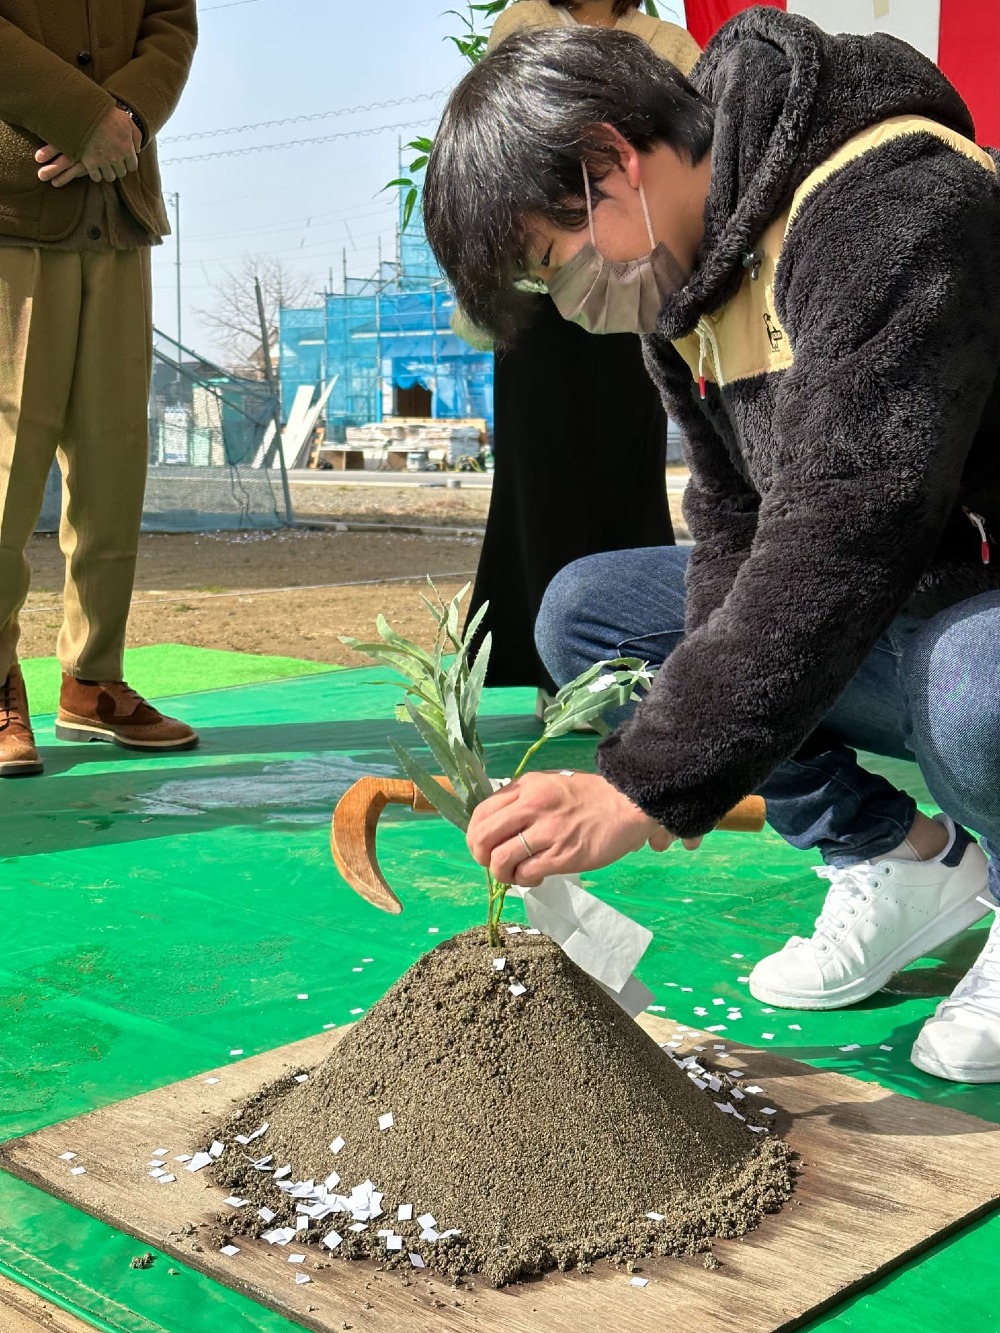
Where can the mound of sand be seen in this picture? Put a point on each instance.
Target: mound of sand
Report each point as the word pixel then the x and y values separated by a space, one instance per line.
pixel 539 1128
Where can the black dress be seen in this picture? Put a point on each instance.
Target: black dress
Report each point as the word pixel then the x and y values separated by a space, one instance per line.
pixel 580 439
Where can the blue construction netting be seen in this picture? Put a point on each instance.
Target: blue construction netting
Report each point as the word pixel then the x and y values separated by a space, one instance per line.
pixel 382 334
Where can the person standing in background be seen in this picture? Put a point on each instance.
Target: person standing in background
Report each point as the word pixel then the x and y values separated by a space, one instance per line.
pixel 84 89
pixel 562 399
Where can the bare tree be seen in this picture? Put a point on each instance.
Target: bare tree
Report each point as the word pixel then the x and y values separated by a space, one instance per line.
pixel 233 312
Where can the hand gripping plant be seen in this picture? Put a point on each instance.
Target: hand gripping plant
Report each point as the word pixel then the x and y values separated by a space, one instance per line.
pixel 444 689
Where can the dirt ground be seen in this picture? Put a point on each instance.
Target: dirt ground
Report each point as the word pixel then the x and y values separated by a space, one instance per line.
pixel 285 593
pixel 257 592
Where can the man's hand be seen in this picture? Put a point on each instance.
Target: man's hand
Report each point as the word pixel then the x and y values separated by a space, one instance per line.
pixel 111 152
pixel 58 167
pixel 552 823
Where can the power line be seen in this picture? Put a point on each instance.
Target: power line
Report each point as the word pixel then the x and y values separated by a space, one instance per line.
pixel 298 120
pixel 290 143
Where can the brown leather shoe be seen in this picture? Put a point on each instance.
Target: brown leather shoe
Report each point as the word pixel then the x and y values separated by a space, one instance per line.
pixel 18 756
pixel 108 710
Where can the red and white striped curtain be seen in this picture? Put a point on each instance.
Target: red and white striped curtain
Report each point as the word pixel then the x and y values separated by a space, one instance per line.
pixel 961 36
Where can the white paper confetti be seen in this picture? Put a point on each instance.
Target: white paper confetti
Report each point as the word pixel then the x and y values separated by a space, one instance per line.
pixel 386 1121
pixel 768 1110
pixel 767 1036
pixel 735 955
pixel 279 1236
pixel 755 1089
pixel 332 1240
pixel 166 1180
pixel 301 1078
pixel 795 1027
pixel 301 1279
pixel 156 1172
pixel 429 1233
pixel 394 1243
pixel 217 1149
pixel 404 1213
pixel 303 996
pixel 282 1172
pixel 337 1145
pixel 499 964
pixel 199 1161
pixel 655 1217
pixel 854 1046
pixel 237 1050
pixel 265 1214
pixel 432 930
pixel 210 1081
pixel 427 1220
pixel 639 1282
pixel 417 1261
pixel 296 1258
pixel 355 1012
pixel 885 1048
pixel 235 1201
pixel 67 1156
pixel 516 988
pixel 358 1226
pixel 229 1250
pixel 743 979
pixel 718 1001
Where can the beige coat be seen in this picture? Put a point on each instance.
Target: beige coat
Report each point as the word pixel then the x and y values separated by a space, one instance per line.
pixel 63 65
pixel 667 39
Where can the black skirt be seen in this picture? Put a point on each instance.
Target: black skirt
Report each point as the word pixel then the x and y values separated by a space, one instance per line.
pixel 580 439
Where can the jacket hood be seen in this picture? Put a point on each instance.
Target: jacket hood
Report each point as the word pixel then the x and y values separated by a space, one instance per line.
pixel 786 96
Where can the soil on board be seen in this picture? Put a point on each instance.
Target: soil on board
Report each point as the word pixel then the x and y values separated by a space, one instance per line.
pixel 529 1131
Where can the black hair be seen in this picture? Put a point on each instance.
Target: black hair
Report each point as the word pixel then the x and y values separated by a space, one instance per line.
pixel 619 8
pixel 513 138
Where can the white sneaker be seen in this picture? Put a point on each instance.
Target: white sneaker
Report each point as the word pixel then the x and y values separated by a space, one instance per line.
pixel 877 918
pixel 962 1040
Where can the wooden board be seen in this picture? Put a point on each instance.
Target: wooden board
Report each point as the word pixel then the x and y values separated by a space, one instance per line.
pixel 883 1177
pixel 21 1311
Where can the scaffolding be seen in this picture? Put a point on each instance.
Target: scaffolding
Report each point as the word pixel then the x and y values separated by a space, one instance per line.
pixel 384 336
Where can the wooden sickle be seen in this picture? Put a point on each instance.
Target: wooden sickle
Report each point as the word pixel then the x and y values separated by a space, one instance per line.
pixel 355 820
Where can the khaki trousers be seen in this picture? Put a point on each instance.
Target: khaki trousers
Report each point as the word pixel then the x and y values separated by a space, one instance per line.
pixel 75 357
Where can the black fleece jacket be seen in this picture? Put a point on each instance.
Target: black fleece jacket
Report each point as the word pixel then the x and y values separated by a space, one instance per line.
pixel 828 497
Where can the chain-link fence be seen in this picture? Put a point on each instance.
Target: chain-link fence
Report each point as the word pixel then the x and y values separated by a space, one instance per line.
pixel 215 460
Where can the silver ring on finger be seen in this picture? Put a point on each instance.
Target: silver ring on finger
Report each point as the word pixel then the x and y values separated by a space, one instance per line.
pixel 526 844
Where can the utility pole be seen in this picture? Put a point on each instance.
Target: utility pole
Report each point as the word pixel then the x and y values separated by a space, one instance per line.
pixel 378 336
pixel 175 200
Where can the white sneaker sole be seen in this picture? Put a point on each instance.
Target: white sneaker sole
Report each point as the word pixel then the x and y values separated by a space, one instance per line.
pixel 934 934
pixel 929 1063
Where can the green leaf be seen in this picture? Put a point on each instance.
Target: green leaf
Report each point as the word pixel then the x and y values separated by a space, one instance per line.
pixel 439 748
pixel 397 642
pixel 408 207
pixel 443 801
pixel 419 163
pixel 473 692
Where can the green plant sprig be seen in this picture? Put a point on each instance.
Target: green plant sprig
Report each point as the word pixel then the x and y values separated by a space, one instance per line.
pixel 444 689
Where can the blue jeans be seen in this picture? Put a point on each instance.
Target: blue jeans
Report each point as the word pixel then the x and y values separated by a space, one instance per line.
pixel 928 691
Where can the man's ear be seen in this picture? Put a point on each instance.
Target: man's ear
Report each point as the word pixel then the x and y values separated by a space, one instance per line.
pixel 613 150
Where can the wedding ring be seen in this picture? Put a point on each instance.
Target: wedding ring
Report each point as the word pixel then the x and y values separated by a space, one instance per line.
pixel 525 844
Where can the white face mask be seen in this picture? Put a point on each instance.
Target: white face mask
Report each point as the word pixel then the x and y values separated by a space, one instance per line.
pixel 607 297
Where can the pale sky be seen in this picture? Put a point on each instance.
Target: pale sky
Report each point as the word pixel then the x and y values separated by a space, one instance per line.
pixel 266 60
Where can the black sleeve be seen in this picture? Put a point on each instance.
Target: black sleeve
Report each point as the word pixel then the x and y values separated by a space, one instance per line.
pixel 889 287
